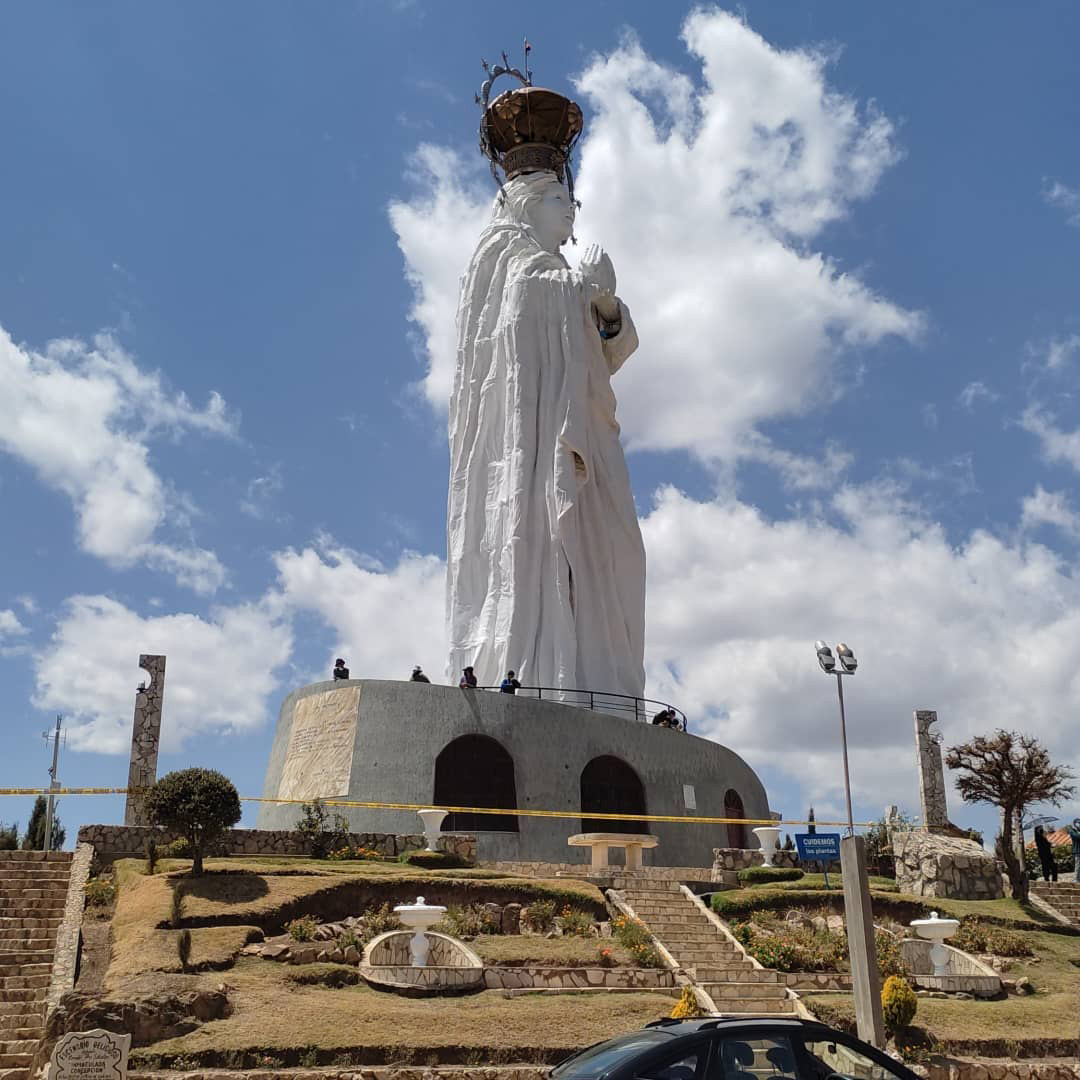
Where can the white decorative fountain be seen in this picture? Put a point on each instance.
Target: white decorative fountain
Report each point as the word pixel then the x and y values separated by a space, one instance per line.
pixel 768 836
pixel 432 822
pixel 419 917
pixel 937 929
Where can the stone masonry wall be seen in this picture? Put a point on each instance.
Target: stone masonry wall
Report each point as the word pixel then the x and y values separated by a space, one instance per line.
pixel 145 734
pixel 744 858
pixel 120 841
pixel 929 864
pixel 935 814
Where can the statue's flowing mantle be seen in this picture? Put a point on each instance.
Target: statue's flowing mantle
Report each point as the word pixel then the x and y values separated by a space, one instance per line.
pixel 546 566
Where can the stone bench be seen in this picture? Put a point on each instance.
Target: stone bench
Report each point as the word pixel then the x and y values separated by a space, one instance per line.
pixel 599 842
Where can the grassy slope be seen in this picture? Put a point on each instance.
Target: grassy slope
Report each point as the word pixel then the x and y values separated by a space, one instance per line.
pixel 1053 1012
pixel 886 899
pixel 246 895
pixel 378 1026
pixel 525 950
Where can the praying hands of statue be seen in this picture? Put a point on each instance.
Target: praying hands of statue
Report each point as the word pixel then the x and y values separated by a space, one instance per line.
pixel 598 278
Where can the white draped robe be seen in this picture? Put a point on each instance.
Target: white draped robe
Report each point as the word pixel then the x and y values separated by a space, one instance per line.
pixel 545 562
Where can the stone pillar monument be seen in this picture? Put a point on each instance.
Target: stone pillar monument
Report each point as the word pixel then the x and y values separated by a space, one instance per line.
pixel 145 734
pixel 935 813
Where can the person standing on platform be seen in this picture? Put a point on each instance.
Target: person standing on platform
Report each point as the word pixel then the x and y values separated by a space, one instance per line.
pixel 418 675
pixel 1046 854
pixel 509 685
pixel 468 679
pixel 340 670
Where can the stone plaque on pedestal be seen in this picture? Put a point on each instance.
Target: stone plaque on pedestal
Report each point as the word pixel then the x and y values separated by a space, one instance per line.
pixel 90 1055
pixel 318 762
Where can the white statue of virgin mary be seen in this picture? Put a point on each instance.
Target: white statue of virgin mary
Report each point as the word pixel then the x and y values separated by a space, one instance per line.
pixel 545 563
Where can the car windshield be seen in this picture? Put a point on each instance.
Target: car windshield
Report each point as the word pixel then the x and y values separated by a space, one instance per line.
pixel 602 1058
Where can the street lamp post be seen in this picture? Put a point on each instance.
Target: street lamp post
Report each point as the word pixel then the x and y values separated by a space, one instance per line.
pixel 847 666
pixel 865 977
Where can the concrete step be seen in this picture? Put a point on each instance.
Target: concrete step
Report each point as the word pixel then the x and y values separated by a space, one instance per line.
pixel 26 1034
pixel 24 922
pixel 734 974
pixel 19 959
pixel 18 1048
pixel 725 990
pixel 29 1007
pixel 703 937
pixel 21 941
pixel 30 976
pixel 21 996
pixel 35 856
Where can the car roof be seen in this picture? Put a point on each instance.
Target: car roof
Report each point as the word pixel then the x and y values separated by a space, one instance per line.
pixel 743 1020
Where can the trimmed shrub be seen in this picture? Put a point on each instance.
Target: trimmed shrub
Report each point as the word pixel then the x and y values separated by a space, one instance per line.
pixel 889 960
pixel 763 875
pixel 539 916
pixel 468 922
pixel 687 1007
pixel 302 928
pixel 183 949
pixel 575 923
pixel 99 892
pixel 975 936
pixel 434 860
pixel 178 849
pixel 898 1004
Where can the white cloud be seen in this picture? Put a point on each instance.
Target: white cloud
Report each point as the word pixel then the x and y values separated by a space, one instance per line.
pixel 975 392
pixel 386 619
pixel 986 632
pixel 708 196
pixel 82 417
pixel 1057 444
pixel 27 602
pixel 1050 508
pixel 1060 350
pixel 261 493
pixel 219 676
pixel 9 624
pixel 1065 198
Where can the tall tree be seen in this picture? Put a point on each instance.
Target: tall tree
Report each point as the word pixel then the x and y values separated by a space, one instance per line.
pixel 1012 772
pixel 200 804
pixel 34 840
pixel 9 837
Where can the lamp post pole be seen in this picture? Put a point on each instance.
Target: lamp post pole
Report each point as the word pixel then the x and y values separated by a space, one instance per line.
pixel 843 742
pixel 858 914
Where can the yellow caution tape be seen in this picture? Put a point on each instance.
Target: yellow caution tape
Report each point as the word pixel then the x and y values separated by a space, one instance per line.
pixel 569 814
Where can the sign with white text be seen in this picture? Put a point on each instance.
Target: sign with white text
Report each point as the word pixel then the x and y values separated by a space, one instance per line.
pixel 818 847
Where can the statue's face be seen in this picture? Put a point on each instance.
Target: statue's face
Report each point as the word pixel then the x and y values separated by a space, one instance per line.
pixel 552 215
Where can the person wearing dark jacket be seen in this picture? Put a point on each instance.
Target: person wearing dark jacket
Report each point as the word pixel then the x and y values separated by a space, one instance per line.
pixel 340 670
pixel 468 679
pixel 418 675
pixel 509 685
pixel 1046 854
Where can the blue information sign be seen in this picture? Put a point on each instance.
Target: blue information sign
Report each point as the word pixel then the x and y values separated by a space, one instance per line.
pixel 818 847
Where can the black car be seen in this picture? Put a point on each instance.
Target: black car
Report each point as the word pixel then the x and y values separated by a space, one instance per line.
pixel 733 1048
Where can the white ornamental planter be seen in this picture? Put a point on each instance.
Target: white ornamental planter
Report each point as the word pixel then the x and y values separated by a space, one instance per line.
pixel 432 825
pixel 937 930
pixel 768 837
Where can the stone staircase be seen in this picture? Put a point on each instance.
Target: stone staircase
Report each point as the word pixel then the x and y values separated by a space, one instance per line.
pixel 33 889
pixel 715 962
pixel 1062 896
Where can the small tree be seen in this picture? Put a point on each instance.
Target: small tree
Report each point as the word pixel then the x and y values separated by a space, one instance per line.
pixel 200 804
pixel 1012 772
pixel 9 837
pixel 322 831
pixel 34 840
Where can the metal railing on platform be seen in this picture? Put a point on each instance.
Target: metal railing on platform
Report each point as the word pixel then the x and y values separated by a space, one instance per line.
pixel 645 710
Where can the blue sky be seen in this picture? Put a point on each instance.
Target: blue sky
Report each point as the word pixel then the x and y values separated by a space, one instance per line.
pixel 228 252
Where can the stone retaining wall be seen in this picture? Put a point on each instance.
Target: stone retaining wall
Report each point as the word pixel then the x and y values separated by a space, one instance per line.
pixel 583 870
pixel 112 842
pixel 930 864
pixel 810 981
pixel 997 1069
pixel 743 858
pixel 515 978
pixel 69 935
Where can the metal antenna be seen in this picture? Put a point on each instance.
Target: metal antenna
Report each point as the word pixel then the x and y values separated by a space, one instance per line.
pixel 55 737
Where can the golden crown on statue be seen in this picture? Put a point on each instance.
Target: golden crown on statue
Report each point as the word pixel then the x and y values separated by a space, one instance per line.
pixel 527 129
